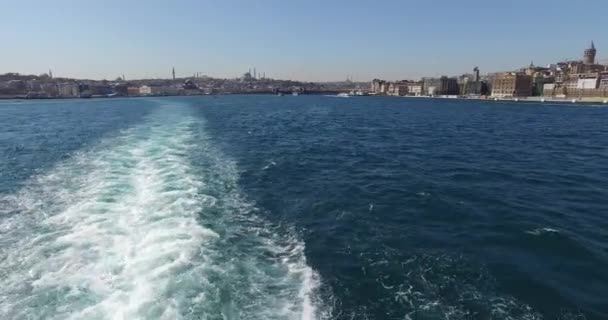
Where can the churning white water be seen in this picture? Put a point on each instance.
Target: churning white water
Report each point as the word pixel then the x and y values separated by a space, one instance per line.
pixel 147 224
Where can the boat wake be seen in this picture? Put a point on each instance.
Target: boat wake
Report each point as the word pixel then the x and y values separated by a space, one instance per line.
pixel 148 224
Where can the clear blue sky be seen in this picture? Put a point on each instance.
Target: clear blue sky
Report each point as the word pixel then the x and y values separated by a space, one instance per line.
pixel 292 39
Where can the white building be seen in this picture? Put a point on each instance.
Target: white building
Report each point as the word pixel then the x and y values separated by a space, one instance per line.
pixel 145 90
pixel 548 87
pixel 157 90
pixel 587 83
pixel 414 89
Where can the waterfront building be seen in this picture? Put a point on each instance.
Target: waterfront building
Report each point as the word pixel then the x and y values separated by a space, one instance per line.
pixel 570 84
pixel 448 86
pixel 101 89
pixel 68 90
pixel 384 87
pixel 133 91
pixel 539 82
pixel 441 86
pixel 415 88
pixel 121 89
pixel 84 90
pixel 430 85
pixel 470 84
pixel 511 84
pixel 145 90
pixel 587 81
pixel 158 90
pixel 168 90
pixel 603 81
pixel 549 89
pixel 399 88
pixel 13 88
pixel 375 86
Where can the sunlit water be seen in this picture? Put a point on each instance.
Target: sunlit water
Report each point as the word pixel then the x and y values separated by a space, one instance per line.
pixel 302 208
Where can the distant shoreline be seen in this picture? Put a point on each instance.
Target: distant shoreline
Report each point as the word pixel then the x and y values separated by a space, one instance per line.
pixel 524 100
pixel 21 97
pixel 514 100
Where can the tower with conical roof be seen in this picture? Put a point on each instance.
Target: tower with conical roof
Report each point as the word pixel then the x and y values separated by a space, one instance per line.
pixel 590 54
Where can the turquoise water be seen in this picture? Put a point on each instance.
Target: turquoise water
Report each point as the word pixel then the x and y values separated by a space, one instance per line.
pixel 264 207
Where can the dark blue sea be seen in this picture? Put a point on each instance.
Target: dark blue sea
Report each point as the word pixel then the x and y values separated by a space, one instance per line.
pixel 307 207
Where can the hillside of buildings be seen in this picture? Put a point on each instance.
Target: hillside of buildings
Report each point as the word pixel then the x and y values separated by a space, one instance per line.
pixel 583 78
pixel 14 85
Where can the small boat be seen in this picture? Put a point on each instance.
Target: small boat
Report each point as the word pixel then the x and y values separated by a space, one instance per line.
pixel 280 94
pixel 342 95
pixel 295 94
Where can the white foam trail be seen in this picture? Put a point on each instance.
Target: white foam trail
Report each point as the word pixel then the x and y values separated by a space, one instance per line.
pixel 115 232
pixel 114 223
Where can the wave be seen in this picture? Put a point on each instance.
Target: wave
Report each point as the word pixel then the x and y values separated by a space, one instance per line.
pixel 132 228
pixel 450 286
pixel 541 231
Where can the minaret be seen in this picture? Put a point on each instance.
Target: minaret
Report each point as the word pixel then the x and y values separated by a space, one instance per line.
pixel 254 73
pixel 477 89
pixel 50 73
pixel 590 54
pixel 173 73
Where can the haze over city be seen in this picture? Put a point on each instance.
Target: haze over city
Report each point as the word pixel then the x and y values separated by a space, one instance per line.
pixel 304 40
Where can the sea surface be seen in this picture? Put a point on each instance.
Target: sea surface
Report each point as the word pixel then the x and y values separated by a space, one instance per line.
pixel 307 207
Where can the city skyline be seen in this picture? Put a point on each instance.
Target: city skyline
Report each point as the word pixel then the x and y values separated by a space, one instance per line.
pixel 309 42
pixel 580 78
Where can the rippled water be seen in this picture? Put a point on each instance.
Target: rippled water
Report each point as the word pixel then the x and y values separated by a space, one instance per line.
pixel 263 207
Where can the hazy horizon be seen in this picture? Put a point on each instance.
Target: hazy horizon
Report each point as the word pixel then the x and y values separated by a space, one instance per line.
pixel 308 41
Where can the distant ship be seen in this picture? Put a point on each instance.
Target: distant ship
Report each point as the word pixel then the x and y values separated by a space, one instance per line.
pixel 295 94
pixel 342 95
pixel 358 93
